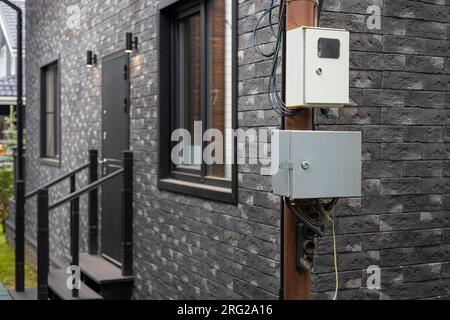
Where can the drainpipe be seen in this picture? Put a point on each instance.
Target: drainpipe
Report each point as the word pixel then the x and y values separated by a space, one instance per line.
pixel 297 286
pixel 19 169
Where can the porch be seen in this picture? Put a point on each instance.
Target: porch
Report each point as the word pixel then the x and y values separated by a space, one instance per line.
pixel 91 275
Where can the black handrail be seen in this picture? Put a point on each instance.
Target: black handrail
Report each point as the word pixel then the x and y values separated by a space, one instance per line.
pixel 57 181
pixel 74 199
pixel 89 188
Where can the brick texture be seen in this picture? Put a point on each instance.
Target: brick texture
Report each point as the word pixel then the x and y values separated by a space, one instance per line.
pixel 400 81
pixel 185 247
pixel 188 248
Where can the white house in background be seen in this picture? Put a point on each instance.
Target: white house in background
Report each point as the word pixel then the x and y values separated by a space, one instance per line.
pixel 8 57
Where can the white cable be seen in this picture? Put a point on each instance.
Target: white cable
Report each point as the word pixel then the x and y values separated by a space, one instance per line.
pixel 335 261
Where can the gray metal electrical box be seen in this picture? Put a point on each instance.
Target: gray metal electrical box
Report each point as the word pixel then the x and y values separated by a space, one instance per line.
pixel 316 165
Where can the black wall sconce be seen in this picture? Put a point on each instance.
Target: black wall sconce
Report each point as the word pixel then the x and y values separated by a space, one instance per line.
pixel 91 59
pixel 132 43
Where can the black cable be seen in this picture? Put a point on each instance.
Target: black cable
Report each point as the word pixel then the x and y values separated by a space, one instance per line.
pixel 326 112
pixel 320 8
pixel 276 100
pixel 313 212
pixel 266 12
pixel 274 34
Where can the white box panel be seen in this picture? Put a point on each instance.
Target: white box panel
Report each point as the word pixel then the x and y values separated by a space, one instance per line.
pixel 316 165
pixel 318 68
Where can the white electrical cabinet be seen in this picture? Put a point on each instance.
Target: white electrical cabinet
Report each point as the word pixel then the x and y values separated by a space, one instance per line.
pixel 316 165
pixel 317 68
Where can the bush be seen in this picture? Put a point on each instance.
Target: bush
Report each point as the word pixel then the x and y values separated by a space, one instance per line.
pixel 6 192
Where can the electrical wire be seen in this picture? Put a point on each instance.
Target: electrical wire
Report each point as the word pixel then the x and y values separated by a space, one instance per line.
pixel 321 212
pixel 275 98
pixel 332 219
pixel 319 215
pixel 336 270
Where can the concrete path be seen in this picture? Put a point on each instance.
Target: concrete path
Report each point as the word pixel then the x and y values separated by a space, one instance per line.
pixel 4 295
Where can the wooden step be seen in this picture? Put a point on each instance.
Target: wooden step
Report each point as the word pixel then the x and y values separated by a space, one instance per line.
pixel 105 278
pixel 57 283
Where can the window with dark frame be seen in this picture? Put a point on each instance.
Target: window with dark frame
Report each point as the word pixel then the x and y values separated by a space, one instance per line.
pixel 50 112
pixel 197 94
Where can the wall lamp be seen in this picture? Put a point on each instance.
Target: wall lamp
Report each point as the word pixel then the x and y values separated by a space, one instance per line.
pixel 131 43
pixel 91 59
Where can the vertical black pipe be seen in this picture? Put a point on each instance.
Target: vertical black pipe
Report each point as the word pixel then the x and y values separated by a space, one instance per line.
pixel 20 124
pixel 15 166
pixel 20 236
pixel 43 244
pixel 20 175
pixel 93 203
pixel 75 230
pixel 127 215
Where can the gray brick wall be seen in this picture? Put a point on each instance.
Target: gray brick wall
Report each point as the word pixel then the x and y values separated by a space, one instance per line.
pixel 400 87
pixel 184 247
pixel 190 248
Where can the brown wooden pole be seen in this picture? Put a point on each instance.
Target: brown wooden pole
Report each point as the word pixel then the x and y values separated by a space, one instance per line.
pixel 297 286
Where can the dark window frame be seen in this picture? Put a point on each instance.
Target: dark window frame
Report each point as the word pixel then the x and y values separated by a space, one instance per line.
pixel 45 158
pixel 186 181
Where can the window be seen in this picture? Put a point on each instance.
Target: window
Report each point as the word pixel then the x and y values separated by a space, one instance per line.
pixel 50 112
pixel 3 62
pixel 197 95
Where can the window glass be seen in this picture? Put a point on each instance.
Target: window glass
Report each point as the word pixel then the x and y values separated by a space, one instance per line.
pixel 220 95
pixel 49 141
pixel 197 83
pixel 189 97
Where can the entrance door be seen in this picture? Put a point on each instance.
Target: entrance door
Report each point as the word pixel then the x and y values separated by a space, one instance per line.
pixel 115 135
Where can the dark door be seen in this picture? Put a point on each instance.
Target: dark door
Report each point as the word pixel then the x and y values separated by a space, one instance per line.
pixel 115 135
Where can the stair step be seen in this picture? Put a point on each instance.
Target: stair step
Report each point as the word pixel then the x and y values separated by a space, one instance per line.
pixel 105 278
pixel 101 271
pixel 27 295
pixel 57 282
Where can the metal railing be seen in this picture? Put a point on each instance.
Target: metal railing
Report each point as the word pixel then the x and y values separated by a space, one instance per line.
pixel 73 199
pixel 92 167
pixel 42 194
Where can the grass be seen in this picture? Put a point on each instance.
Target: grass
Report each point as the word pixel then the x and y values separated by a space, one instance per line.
pixel 7 269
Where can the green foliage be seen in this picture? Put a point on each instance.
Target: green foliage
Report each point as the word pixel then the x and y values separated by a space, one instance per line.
pixel 6 192
pixel 10 140
pixel 7 266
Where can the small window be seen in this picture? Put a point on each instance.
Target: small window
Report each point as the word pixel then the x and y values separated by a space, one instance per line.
pixel 329 48
pixel 50 112
pixel 197 95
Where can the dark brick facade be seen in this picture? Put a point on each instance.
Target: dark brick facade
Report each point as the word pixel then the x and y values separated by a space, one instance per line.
pixel 400 84
pixel 190 248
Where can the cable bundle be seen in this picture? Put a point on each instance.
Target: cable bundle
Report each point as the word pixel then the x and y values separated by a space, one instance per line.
pixel 274 95
pixel 313 213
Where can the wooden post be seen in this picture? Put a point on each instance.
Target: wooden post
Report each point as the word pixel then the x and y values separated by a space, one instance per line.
pixel 297 286
pixel 75 229
pixel 93 203
pixel 43 245
pixel 127 215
